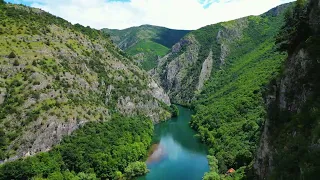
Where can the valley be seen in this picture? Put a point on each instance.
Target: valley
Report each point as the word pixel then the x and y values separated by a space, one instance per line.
pixel 176 148
pixel 232 100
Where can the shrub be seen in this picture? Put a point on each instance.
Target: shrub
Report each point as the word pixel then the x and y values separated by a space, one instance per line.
pixel 16 63
pixel 136 169
pixel 12 55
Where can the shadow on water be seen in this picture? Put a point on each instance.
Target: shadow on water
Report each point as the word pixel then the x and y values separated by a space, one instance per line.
pixel 180 131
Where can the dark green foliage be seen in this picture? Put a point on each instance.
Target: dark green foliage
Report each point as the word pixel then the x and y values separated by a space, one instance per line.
pixel 150 52
pixel 230 109
pixel 3 143
pixel 102 148
pixel 160 35
pixel 146 42
pixel 295 134
pixel 174 110
pixel 47 55
pixel 296 28
pixel 16 63
pixel 168 37
pixel 136 169
pixel 89 31
pixel 12 55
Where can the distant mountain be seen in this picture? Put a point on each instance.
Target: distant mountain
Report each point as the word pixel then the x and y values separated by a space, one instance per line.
pixel 146 43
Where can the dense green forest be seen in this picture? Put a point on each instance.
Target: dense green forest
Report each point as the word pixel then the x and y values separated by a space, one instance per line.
pixel 295 130
pixel 230 109
pixel 106 150
pixel 54 78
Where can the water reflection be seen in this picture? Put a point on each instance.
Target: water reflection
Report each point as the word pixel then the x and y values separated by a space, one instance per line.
pixel 176 153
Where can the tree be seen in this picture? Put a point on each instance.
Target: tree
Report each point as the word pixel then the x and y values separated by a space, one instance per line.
pixel 211 176
pixel 16 63
pixel 295 29
pixel 136 169
pixel 174 110
pixel 55 176
pixel 12 55
pixel 84 176
pixel 213 163
pixel 119 175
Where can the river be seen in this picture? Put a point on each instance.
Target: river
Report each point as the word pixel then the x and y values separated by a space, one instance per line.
pixel 176 153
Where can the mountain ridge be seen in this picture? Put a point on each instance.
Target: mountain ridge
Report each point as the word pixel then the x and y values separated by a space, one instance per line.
pixel 56 76
pixel 221 36
pixel 146 43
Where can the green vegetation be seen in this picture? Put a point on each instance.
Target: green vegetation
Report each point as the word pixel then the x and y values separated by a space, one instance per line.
pixel 103 150
pixel 55 76
pixel 174 110
pixel 148 46
pixel 230 109
pixel 133 35
pixel 295 132
pixel 136 169
pixel 150 52
pixel 146 43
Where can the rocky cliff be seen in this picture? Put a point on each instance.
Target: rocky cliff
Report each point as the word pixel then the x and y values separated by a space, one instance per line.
pixel 56 76
pixel 185 70
pixel 290 144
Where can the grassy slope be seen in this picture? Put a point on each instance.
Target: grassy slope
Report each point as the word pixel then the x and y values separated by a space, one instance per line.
pixel 150 41
pixel 230 110
pixel 150 52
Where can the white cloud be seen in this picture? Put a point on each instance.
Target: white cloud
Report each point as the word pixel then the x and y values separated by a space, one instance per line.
pixel 177 14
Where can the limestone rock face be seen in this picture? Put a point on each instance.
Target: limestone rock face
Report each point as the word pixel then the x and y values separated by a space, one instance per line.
pixel 183 72
pixel 61 78
pixel 172 69
pixel 297 86
pixel 297 69
pixel 158 92
pixel 205 71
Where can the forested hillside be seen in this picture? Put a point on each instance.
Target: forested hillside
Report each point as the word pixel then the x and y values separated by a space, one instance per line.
pixel 199 57
pixel 55 77
pixel 259 112
pixel 230 109
pixel 99 150
pixel 146 43
pixel 75 106
pixel 290 145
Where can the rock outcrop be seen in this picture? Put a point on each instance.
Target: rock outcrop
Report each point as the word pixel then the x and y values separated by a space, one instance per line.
pixel 290 129
pixel 184 71
pixel 62 77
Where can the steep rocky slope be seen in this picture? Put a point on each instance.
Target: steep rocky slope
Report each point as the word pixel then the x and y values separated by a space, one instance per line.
pixel 56 76
pixel 290 145
pixel 146 43
pixel 192 61
pixel 230 109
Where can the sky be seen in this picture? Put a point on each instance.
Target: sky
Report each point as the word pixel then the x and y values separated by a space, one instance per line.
pixel 174 14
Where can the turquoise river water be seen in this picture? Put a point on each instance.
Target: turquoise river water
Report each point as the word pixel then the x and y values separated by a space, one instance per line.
pixel 176 154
